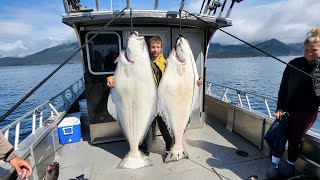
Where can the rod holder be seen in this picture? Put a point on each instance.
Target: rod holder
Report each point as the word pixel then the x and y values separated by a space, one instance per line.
pixel 128 4
pixel 66 7
pixel 98 5
pixel 156 4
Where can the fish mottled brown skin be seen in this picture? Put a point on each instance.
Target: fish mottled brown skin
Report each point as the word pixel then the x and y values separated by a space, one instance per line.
pixel 133 100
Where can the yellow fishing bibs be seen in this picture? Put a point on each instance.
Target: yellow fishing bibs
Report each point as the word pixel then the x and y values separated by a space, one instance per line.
pixel 160 65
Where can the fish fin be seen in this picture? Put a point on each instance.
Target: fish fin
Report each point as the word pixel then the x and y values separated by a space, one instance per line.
pixel 112 107
pixel 196 100
pixel 199 64
pixel 162 111
pixel 197 67
pixel 154 114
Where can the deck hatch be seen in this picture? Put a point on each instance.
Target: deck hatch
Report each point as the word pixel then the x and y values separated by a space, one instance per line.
pixel 242 153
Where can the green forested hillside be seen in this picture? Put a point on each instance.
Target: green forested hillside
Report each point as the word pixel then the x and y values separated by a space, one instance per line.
pixel 53 55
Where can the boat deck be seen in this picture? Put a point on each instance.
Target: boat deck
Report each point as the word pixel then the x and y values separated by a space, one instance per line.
pixel 212 155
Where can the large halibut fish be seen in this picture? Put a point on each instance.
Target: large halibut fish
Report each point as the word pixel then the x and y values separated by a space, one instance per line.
pixel 177 95
pixel 133 99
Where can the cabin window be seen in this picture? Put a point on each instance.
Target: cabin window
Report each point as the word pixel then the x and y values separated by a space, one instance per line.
pixel 103 50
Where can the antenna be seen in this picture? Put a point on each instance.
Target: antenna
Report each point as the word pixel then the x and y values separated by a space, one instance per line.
pixel 98 5
pixel 128 4
pixel 156 4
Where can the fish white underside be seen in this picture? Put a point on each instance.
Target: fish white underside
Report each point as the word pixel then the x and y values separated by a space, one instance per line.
pixel 133 104
pixel 177 98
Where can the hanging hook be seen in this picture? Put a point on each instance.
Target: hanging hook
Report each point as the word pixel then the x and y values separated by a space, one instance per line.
pixel 180 24
pixel 131 20
pixel 180 14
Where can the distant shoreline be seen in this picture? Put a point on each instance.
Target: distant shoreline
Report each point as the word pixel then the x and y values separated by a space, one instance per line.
pixel 243 57
pixel 76 62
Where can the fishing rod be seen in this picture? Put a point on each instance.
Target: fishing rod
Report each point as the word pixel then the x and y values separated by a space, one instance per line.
pixel 222 8
pixel 57 69
pixel 202 6
pixel 216 27
pixel 206 7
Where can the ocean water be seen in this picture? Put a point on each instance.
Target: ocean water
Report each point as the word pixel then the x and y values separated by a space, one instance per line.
pixel 17 81
pixel 261 75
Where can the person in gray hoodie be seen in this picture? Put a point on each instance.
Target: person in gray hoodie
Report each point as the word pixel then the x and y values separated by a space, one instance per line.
pixel 8 154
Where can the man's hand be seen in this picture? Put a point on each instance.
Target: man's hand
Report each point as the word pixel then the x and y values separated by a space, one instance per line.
pixel 22 167
pixel 110 83
pixel 199 81
pixel 278 114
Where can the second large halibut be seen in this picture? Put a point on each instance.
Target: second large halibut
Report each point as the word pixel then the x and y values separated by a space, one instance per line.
pixel 177 94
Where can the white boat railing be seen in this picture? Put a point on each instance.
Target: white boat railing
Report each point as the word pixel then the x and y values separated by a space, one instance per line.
pixel 213 88
pixel 50 108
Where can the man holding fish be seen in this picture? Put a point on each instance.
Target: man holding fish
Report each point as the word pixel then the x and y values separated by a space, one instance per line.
pixel 158 65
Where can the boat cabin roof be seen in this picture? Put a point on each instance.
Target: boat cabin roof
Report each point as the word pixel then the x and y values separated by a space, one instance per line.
pixel 145 18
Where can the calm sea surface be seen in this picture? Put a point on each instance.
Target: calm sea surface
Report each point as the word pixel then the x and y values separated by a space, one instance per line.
pixel 17 81
pixel 259 75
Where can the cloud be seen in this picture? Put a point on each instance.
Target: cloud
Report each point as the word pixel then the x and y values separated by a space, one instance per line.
pixel 14 28
pixel 288 21
pixel 29 30
pixel 12 48
pixel 22 48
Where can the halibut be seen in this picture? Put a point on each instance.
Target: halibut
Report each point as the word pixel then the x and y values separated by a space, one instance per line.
pixel 177 95
pixel 132 102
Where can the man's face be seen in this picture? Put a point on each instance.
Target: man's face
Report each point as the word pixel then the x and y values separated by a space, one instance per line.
pixel 155 49
pixel 312 51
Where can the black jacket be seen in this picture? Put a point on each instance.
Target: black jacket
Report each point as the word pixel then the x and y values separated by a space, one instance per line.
pixel 297 90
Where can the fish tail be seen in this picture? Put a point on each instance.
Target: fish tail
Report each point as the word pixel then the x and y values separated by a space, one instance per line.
pixel 176 154
pixel 131 161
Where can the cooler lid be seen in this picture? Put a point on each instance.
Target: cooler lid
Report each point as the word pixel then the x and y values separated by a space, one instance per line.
pixel 70 119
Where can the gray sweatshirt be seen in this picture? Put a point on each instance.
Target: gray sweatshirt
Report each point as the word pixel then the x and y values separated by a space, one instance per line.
pixel 6 149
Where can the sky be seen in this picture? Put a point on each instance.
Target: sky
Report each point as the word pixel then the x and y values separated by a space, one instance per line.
pixel 31 26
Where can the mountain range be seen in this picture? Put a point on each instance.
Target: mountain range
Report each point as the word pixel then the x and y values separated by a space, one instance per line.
pixel 58 54
pixel 53 55
pixel 273 47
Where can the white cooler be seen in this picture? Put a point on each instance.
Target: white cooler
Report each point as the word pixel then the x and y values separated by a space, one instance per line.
pixel 69 129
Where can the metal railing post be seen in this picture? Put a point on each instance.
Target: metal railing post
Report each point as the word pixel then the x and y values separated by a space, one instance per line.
pixel 41 118
pixel 17 136
pixel 54 109
pixel 208 89
pixel 267 106
pixel 239 97
pixel 34 122
pixel 225 94
pixel 247 98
